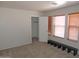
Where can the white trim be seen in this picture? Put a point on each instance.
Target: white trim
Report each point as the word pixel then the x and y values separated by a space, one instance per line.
pixel 78 52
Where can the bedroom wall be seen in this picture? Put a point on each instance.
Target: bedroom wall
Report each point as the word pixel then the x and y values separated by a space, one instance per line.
pixel 15 27
pixel 63 11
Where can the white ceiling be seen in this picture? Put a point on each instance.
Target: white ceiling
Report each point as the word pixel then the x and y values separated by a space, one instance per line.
pixel 35 5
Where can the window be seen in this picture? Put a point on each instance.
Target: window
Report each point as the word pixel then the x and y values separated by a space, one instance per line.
pixel 59 26
pixel 73 26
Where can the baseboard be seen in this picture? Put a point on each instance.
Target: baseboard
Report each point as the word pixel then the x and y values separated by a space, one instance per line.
pixel 43 40
pixel 35 38
pixel 78 52
pixel 5 48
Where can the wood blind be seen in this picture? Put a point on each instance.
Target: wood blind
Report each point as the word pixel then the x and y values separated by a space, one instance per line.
pixel 59 26
pixel 49 25
pixel 73 26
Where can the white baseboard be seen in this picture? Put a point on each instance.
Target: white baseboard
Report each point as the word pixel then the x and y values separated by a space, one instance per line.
pixel 18 45
pixel 78 52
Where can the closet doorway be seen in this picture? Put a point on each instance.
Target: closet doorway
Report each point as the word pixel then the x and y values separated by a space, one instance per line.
pixel 35 29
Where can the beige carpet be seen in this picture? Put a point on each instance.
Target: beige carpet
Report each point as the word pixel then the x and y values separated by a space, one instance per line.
pixel 35 50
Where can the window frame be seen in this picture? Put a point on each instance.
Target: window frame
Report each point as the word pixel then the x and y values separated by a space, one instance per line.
pixel 53 26
pixel 69 27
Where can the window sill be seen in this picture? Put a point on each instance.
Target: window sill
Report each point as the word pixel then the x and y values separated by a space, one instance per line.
pixel 73 40
pixel 58 37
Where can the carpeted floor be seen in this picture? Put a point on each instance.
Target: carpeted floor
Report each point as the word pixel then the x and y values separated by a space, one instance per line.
pixel 35 50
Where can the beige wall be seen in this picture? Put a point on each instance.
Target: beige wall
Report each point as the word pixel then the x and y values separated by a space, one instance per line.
pixel 15 27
